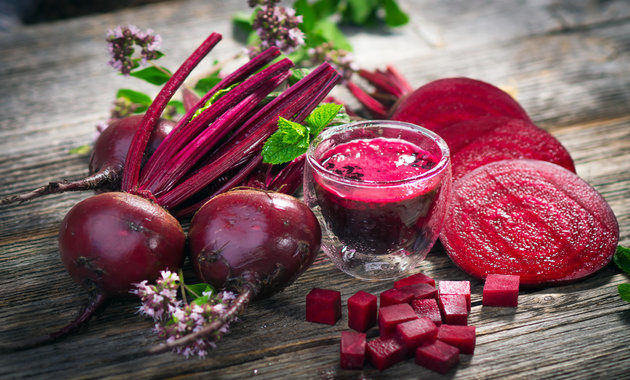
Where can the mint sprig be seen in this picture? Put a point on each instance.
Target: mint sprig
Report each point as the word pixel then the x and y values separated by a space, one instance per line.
pixel 622 260
pixel 292 139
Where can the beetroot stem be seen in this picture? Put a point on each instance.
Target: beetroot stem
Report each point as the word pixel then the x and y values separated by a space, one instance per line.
pixel 90 182
pixel 237 307
pixel 290 177
pixel 131 171
pixel 382 82
pixel 303 96
pixel 373 105
pixel 167 149
pixel 399 79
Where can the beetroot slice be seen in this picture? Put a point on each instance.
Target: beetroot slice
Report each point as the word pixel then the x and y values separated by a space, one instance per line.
pixel 450 100
pixel 474 143
pixel 529 218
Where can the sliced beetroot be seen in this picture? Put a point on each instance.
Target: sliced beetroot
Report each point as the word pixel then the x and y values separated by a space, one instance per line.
pixel 390 316
pixel 454 309
pixel 462 337
pixel 474 143
pixel 323 306
pixel 443 102
pixel 529 218
pixel 352 350
pixel 501 290
pixel 456 287
pixel 419 291
pixel 394 297
pixel 385 352
pixel 416 332
pixel 439 356
pixel 427 308
pixel 418 278
pixel 361 311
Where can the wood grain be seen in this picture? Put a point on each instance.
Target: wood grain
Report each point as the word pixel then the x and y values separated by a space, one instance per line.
pixel 568 62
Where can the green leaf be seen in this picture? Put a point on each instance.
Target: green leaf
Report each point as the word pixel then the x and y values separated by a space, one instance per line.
pixel 624 291
pixel 140 109
pixel 206 84
pixel 622 258
pixel 243 21
pixel 179 106
pixel 321 117
pixel 297 75
pixel 275 151
pixel 360 10
pixel 394 16
pixel 328 31
pixel 196 290
pixel 136 97
pixel 308 14
pixel 325 8
pixel 213 99
pixel 153 75
pixel 81 150
pixel 341 118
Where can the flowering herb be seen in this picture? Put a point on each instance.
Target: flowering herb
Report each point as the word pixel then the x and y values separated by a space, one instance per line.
pixel 175 318
pixel 277 26
pixel 122 42
pixel 622 260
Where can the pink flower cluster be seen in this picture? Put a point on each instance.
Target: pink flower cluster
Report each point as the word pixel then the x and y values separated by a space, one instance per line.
pixel 174 318
pixel 121 41
pixel 277 26
pixel 342 60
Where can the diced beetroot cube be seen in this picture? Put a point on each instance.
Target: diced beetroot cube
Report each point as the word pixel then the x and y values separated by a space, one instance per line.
pixel 361 311
pixel 427 308
pixel 385 352
pixel 456 287
pixel 438 356
pixel 418 278
pixel 501 290
pixel 462 337
pixel 454 310
pixel 352 350
pixel 416 332
pixel 419 291
pixel 390 316
pixel 323 306
pixel 395 297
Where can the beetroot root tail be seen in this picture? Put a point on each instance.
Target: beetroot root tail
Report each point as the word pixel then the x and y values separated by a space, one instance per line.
pixel 91 182
pixel 237 307
pixel 95 302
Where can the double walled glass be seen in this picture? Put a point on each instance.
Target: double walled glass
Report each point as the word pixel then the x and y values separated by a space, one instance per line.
pixel 377 230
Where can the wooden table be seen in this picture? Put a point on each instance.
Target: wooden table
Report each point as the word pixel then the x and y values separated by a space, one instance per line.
pixel 568 63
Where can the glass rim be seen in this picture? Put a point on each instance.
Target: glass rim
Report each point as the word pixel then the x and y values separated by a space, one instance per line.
pixel 329 132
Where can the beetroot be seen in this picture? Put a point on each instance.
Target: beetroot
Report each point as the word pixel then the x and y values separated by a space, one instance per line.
pixel 416 332
pixel 462 337
pixel 443 102
pixel 385 352
pixel 419 291
pixel 529 218
pixel 427 308
pixel 107 160
pixel 438 356
pixel 390 316
pixel 501 290
pixel 456 287
pixel 361 311
pixel 454 309
pixel 418 278
pixel 352 350
pixel 323 306
pixel 394 297
pixel 479 141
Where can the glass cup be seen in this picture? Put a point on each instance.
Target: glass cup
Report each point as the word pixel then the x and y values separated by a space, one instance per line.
pixel 378 230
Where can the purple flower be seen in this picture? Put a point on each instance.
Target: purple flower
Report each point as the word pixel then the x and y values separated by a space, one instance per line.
pixel 122 42
pixel 342 60
pixel 277 26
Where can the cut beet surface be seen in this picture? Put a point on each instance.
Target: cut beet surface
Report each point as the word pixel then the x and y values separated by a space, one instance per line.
pixel 390 316
pixel 416 332
pixel 323 306
pixel 529 218
pixel 406 294
pixel 501 290
pixel 439 356
pixel 474 143
pixel 462 337
pixel 456 287
pixel 361 311
pixel 443 102
pixel 427 308
pixel 454 309
pixel 352 350
pixel 418 278
pixel 385 352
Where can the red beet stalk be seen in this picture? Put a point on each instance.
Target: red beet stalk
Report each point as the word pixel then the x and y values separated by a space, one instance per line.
pixel 390 86
pixel 374 106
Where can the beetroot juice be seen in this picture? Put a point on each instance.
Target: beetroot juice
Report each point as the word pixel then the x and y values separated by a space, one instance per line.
pixel 380 190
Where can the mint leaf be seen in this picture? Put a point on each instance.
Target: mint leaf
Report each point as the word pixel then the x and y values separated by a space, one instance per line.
pixel 243 21
pixel 197 290
pixel 624 291
pixel 134 96
pixel 276 151
pixel 153 75
pixel 321 117
pixel 342 117
pixel 179 106
pixel 308 14
pixel 394 16
pixel 81 150
pixel 360 10
pixel 297 75
pixel 622 258
pixel 325 8
pixel 327 31
pixel 206 84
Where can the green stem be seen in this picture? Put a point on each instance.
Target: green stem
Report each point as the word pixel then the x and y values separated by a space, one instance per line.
pixel 182 286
